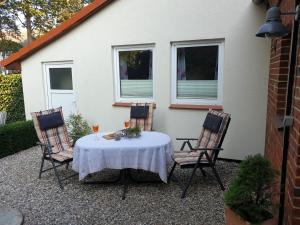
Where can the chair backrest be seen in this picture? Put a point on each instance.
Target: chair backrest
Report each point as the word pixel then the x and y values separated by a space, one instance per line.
pixel 54 134
pixel 144 123
pixel 209 138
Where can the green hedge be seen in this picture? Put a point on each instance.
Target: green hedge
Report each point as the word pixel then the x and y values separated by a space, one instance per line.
pixel 16 136
pixel 11 97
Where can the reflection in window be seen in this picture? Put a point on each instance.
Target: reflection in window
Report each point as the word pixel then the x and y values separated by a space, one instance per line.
pixel 197 72
pixel 61 78
pixel 135 73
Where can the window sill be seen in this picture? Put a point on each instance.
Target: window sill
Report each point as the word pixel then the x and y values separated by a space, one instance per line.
pixel 196 107
pixel 127 104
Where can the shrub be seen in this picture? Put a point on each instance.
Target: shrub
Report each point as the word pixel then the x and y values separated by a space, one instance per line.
pixel 78 127
pixel 11 97
pixel 249 195
pixel 16 136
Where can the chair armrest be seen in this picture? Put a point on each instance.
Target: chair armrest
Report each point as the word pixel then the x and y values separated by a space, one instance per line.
pixel 187 139
pixel 209 149
pixel 47 148
pixel 44 145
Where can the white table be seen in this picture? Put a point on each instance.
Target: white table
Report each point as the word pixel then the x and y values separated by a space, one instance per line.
pixel 151 152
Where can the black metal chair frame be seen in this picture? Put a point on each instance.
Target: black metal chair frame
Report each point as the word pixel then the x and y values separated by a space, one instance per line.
pixel 47 155
pixel 211 161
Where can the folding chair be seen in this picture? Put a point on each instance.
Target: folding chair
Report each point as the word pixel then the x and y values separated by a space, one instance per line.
pixel 54 140
pixel 141 114
pixel 206 151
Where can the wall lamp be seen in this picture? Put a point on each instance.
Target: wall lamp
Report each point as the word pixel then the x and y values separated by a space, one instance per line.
pixel 273 26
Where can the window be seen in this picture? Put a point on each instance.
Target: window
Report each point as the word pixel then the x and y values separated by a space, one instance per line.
pixel 197 72
pixel 61 78
pixel 133 73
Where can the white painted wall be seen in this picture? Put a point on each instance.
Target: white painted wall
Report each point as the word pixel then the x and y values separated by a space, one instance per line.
pixel 128 22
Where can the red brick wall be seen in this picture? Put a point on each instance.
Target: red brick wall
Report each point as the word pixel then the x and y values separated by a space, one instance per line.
pixel 276 101
pixel 292 217
pixel 280 54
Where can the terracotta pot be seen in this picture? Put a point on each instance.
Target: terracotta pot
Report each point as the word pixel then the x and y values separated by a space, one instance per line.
pixel 234 219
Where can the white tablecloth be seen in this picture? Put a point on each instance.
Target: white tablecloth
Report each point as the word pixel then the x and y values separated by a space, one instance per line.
pixel 152 152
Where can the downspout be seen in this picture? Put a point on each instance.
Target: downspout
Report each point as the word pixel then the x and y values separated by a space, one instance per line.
pixel 258 2
pixel 287 119
pixel 278 3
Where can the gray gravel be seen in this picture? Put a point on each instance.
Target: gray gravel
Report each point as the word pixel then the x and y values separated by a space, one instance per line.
pixel 42 202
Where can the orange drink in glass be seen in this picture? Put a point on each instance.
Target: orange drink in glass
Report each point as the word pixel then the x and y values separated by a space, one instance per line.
pixel 126 124
pixel 95 128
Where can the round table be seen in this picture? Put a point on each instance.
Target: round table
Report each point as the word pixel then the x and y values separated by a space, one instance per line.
pixel 151 152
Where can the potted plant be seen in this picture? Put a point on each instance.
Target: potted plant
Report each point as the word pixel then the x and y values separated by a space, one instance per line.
pixel 78 127
pixel 248 199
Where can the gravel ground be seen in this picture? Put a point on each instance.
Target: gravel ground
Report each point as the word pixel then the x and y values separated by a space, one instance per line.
pixel 42 202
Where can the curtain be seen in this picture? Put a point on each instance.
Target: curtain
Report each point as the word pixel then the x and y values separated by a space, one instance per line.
pixel 181 70
pixel 123 68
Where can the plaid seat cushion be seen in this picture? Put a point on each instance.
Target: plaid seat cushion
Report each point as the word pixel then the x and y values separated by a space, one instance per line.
pixel 144 123
pixel 63 155
pixel 56 137
pixel 188 157
pixel 209 139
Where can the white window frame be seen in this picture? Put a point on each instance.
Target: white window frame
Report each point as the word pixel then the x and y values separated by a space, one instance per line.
pixel 174 47
pixel 116 67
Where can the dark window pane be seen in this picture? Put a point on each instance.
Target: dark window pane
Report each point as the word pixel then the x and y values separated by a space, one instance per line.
pixel 135 65
pixel 135 74
pixel 61 78
pixel 197 72
pixel 197 63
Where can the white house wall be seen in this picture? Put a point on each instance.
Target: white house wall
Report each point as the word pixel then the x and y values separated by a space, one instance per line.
pixel 129 22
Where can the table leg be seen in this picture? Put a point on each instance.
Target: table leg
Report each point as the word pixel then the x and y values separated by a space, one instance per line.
pixel 154 181
pixel 125 181
pixel 117 180
pixel 125 176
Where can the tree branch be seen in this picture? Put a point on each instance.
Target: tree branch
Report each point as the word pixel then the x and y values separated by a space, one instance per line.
pixel 23 24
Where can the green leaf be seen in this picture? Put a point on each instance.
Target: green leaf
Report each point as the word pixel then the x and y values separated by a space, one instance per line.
pixel 37 17
pixel 11 97
pixel 250 193
pixel 78 127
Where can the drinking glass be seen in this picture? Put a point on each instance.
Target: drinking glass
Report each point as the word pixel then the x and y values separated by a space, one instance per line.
pixel 95 128
pixel 126 124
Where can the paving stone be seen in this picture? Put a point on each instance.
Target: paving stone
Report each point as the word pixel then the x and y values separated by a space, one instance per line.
pixel 9 216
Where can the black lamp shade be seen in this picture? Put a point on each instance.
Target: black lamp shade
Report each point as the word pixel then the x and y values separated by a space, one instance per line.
pixel 273 27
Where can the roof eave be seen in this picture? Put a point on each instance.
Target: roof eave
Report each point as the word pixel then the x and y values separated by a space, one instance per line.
pixel 15 59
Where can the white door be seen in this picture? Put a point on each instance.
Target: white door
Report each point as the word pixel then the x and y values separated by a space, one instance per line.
pixel 59 85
